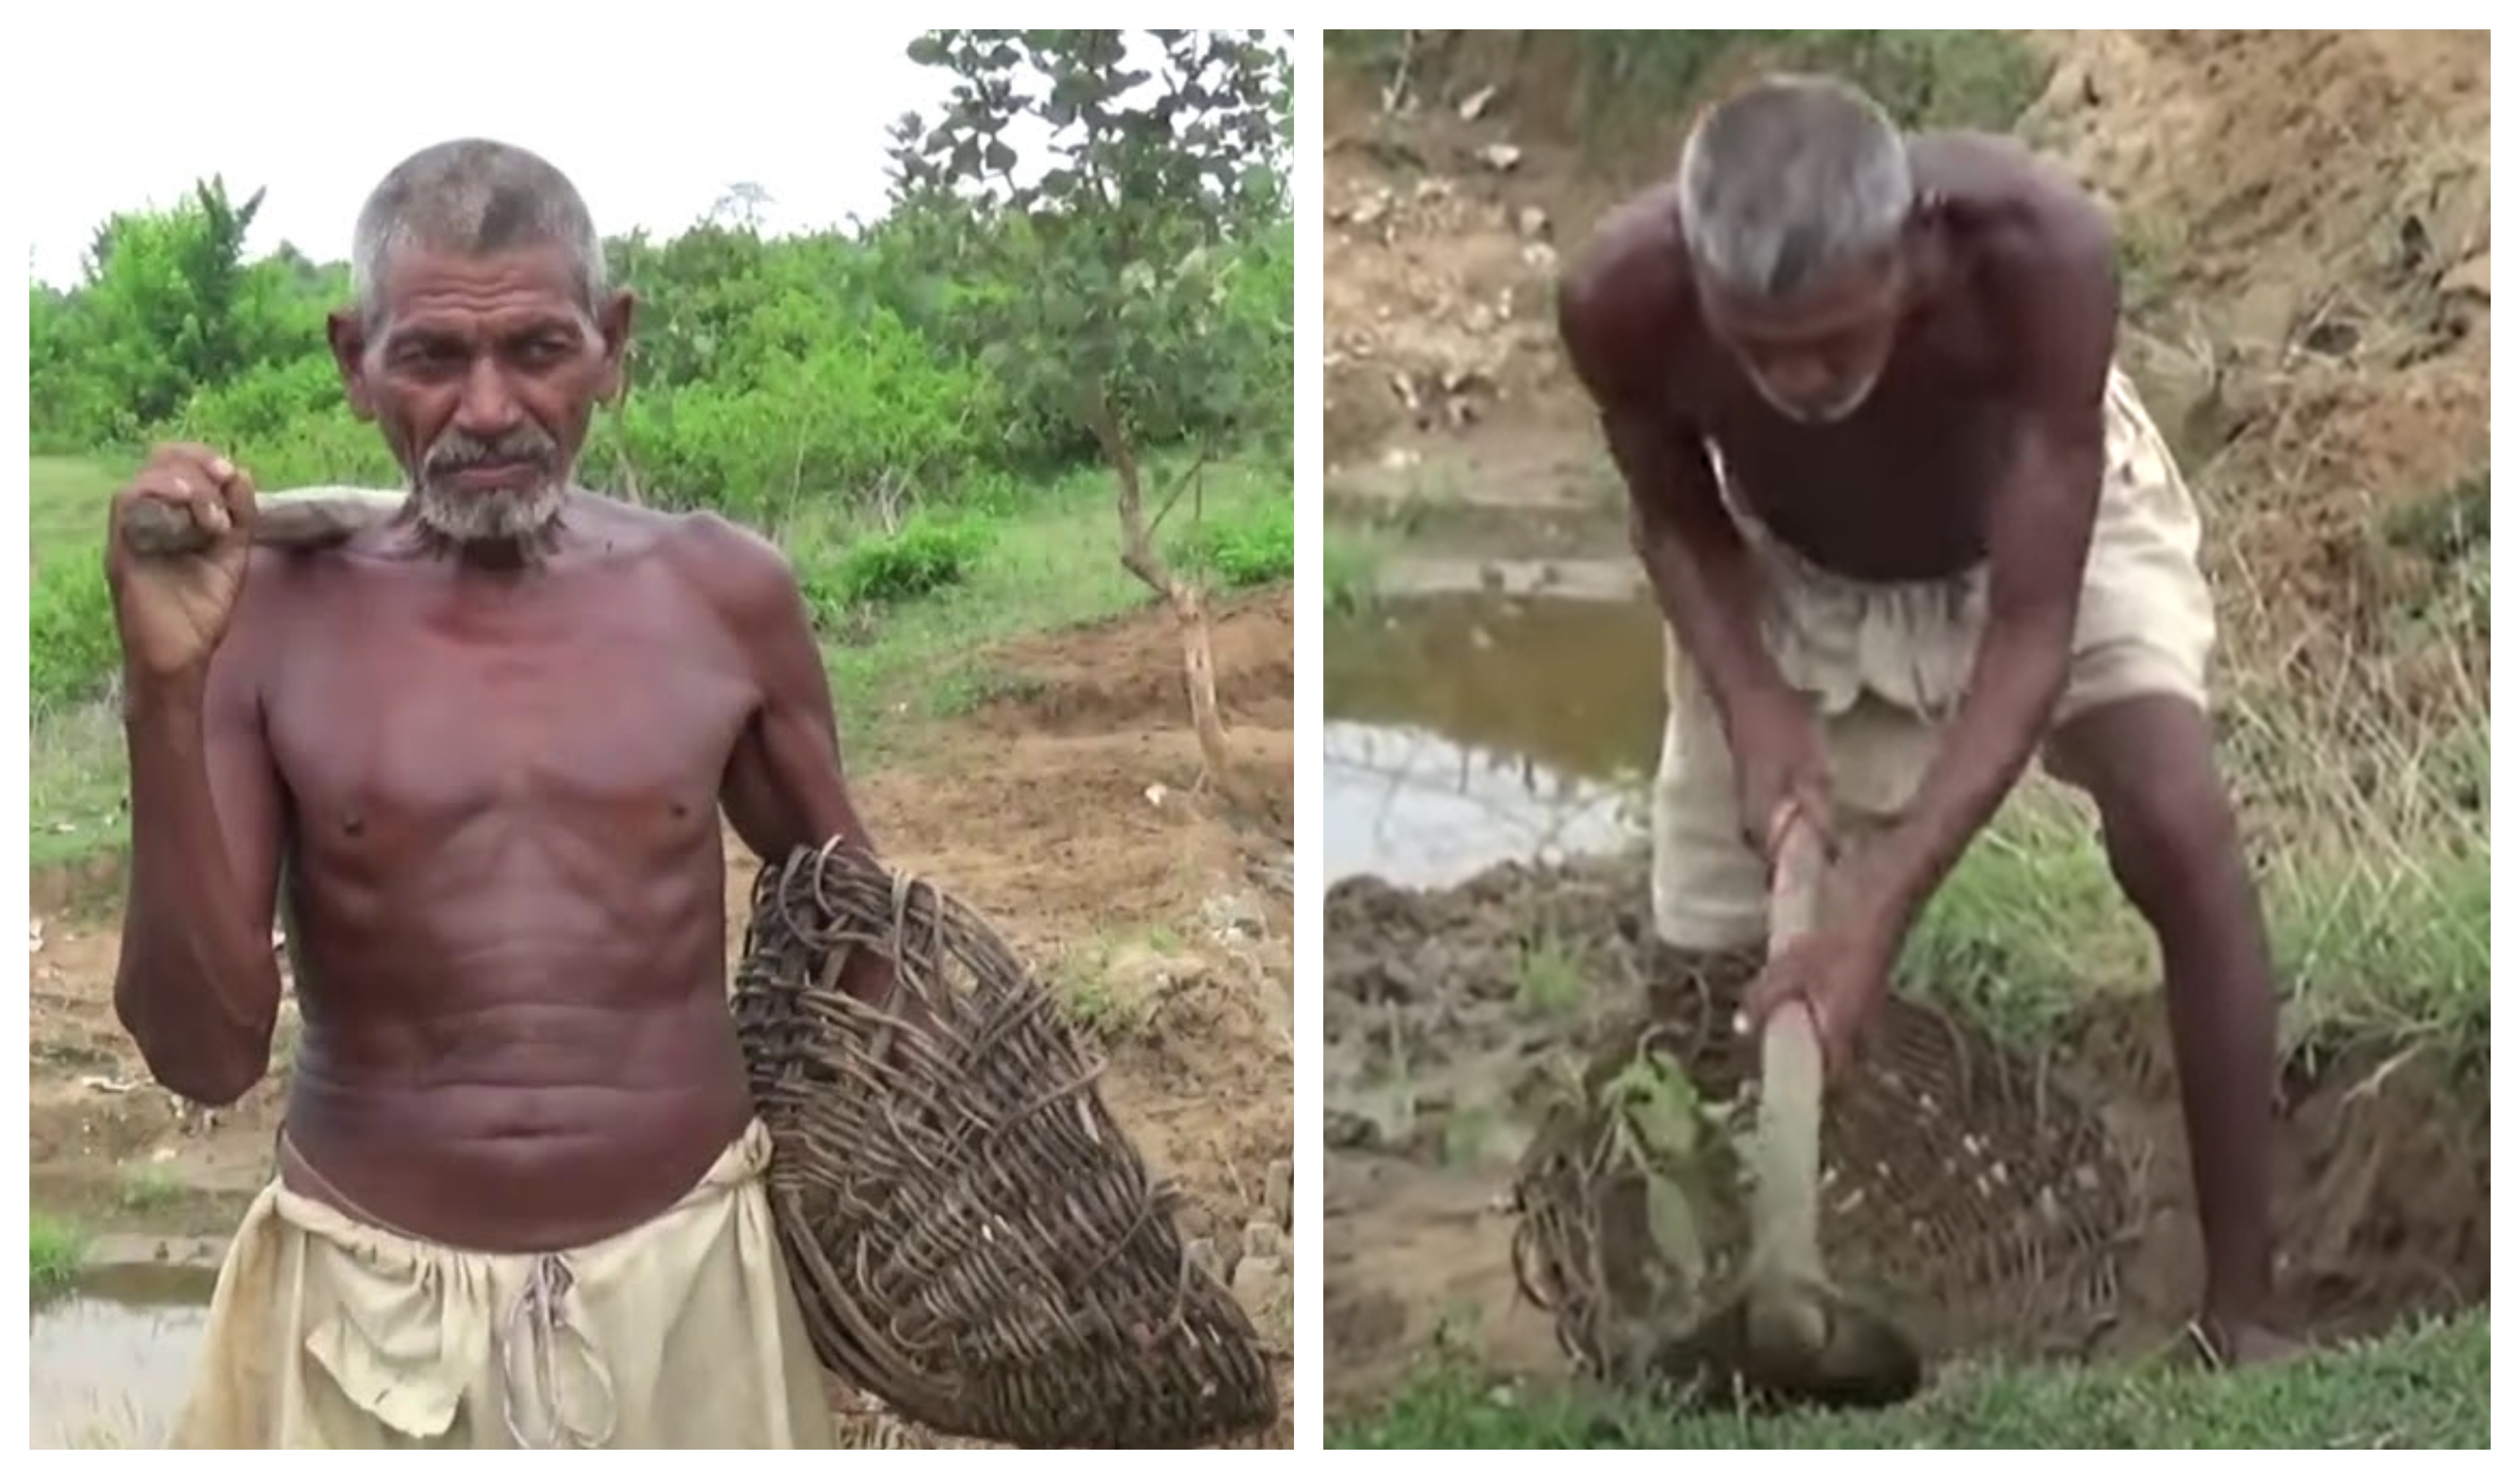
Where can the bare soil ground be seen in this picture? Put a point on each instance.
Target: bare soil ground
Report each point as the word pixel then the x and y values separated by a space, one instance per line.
pixel 1062 811
pixel 2307 270
pixel 2316 340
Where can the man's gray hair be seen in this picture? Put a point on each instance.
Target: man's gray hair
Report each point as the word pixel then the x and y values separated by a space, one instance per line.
pixel 1789 180
pixel 472 197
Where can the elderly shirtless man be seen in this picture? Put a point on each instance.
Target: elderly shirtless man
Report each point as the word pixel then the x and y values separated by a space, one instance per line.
pixel 519 1199
pixel 1824 339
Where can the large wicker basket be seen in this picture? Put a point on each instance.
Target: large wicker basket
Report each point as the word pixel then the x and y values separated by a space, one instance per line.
pixel 973 1238
pixel 1978 1198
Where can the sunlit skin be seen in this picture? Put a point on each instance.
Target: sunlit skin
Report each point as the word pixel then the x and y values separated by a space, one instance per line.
pixel 492 743
pixel 1904 419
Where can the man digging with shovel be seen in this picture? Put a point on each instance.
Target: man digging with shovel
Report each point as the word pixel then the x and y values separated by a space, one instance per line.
pixel 1824 339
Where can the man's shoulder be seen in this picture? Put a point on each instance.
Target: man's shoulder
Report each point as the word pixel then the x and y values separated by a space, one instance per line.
pixel 1627 283
pixel 736 568
pixel 2034 226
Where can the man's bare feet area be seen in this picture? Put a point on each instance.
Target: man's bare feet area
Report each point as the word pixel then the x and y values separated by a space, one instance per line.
pixel 2229 1343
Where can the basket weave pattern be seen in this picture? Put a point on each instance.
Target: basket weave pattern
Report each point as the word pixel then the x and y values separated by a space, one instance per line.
pixel 972 1237
pixel 1977 1196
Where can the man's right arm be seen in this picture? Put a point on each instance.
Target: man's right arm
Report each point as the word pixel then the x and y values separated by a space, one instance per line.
pixel 197 987
pixel 1700 570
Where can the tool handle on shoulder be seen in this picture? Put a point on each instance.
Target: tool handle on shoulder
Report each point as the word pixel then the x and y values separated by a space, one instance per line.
pixel 297 520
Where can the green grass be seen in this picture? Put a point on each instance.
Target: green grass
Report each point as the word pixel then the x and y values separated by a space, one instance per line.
pixel 1036 558
pixel 56 1250
pixel 1631 85
pixel 2428 1386
pixel 148 1187
pixel 1549 980
pixel 75 782
pixel 1110 986
pixel 1053 563
pixel 1351 563
pixel 1926 78
pixel 66 502
pixel 2393 940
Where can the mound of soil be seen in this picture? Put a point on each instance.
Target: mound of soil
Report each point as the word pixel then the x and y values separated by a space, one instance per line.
pixel 1127 672
pixel 1433 1048
pixel 2316 340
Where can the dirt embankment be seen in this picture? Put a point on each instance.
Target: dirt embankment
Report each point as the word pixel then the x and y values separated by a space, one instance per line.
pixel 2306 227
pixel 1062 813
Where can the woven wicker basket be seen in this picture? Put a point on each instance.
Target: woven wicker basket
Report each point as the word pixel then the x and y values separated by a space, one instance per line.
pixel 1973 1195
pixel 972 1237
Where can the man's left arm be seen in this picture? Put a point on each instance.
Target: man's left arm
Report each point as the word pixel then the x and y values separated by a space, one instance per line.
pixel 2039 534
pixel 784 788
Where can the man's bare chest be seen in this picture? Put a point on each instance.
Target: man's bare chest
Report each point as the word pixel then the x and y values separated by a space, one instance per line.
pixel 392 739
pixel 1899 491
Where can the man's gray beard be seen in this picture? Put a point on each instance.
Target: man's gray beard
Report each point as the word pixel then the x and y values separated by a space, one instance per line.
pixel 1826 415
pixel 453 521
pixel 527 518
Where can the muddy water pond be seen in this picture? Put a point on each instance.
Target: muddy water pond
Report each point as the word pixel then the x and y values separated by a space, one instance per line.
pixel 112 1359
pixel 1465 729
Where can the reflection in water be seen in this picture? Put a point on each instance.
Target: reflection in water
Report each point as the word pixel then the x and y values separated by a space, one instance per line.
pixel 110 1368
pixel 1412 807
pixel 1465 730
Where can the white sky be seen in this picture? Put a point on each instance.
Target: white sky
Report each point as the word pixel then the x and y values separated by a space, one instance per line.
pixel 654 113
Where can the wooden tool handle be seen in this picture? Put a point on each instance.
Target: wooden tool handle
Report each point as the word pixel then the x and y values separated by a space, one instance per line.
pixel 1785 1196
pixel 296 520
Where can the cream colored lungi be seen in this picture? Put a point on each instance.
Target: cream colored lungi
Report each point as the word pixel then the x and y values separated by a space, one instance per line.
pixel 1884 667
pixel 679 1334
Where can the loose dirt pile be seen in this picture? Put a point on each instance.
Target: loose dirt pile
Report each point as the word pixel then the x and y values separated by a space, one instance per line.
pixel 2307 219
pixel 1061 812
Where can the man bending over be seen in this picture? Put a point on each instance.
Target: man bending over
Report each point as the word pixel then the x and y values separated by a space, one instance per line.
pixel 1821 340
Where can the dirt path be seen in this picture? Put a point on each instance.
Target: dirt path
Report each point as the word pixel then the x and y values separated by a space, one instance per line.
pixel 1060 815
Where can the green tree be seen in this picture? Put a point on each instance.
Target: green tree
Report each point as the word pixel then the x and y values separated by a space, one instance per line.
pixel 1115 250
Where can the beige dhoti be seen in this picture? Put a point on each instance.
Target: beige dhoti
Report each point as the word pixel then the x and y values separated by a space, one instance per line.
pixel 683 1332
pixel 1884 667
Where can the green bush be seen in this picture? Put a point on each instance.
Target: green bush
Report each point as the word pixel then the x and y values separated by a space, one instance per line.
pixel 925 555
pixel 70 641
pixel 928 554
pixel 1253 550
pixel 810 387
pixel 806 379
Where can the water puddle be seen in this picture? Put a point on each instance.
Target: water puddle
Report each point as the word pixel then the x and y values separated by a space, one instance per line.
pixel 112 1359
pixel 1465 729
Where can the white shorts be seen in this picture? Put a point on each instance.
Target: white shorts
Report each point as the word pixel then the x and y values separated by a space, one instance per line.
pixel 1884 667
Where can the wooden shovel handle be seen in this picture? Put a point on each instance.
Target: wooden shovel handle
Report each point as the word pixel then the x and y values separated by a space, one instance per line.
pixel 301 518
pixel 1786 1206
pixel 1795 885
